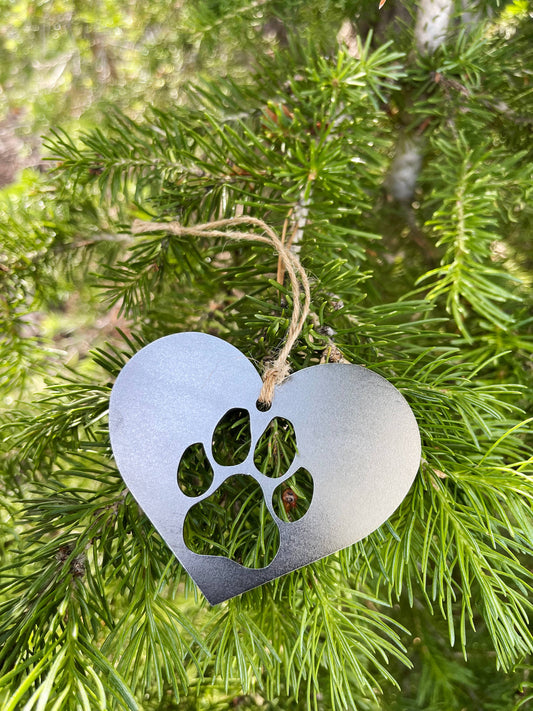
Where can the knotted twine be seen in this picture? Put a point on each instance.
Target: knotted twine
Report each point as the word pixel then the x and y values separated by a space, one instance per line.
pixel 276 371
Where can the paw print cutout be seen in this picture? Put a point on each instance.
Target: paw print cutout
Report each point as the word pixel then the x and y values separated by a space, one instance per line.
pixel 218 478
pixel 239 520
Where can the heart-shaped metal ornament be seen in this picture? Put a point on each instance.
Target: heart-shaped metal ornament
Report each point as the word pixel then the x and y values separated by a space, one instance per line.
pixel 355 434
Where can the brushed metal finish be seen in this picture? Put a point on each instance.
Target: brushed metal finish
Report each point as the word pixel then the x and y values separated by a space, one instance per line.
pixel 355 434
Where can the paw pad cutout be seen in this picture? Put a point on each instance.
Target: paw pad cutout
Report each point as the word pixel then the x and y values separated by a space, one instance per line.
pixel 231 438
pixel 238 520
pixel 292 498
pixel 276 448
pixel 234 522
pixel 195 473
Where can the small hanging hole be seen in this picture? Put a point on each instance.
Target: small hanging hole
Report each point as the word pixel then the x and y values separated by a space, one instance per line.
pixel 263 406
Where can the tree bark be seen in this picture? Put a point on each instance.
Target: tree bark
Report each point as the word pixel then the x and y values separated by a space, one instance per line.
pixel 432 22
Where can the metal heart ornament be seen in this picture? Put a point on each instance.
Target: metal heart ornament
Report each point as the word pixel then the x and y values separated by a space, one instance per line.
pixel 355 434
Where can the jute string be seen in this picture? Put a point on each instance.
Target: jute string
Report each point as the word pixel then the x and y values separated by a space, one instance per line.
pixel 277 370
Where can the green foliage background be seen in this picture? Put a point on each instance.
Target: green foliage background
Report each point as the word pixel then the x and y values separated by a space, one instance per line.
pixel 208 109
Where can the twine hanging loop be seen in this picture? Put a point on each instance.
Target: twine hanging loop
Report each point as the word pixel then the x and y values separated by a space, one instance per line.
pixel 279 369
